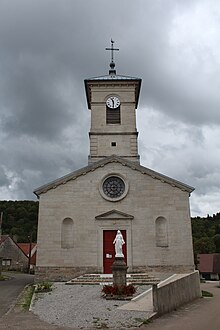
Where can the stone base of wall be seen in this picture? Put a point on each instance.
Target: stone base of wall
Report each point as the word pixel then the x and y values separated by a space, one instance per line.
pixel 62 273
pixel 177 269
pixel 67 273
pixel 17 268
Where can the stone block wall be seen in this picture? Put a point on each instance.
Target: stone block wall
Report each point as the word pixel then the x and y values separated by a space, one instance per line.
pixel 10 251
pixel 61 274
pixel 147 200
pixel 174 294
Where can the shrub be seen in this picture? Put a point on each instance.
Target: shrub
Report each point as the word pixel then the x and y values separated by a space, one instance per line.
pixel 43 287
pixel 207 294
pixel 129 290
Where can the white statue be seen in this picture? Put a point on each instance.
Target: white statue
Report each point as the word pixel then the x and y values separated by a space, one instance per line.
pixel 119 241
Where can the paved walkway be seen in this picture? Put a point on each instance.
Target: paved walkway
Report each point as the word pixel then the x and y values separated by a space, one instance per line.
pixel 202 314
pixel 10 289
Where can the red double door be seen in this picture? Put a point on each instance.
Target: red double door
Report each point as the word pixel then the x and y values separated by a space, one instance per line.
pixel 109 249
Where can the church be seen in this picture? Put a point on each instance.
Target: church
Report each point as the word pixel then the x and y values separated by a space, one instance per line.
pixel 80 213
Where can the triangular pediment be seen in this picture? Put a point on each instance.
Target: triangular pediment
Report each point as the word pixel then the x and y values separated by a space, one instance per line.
pixel 113 159
pixel 113 215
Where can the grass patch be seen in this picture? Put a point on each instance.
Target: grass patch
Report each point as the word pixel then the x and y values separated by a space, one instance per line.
pixel 206 294
pixel 26 297
pixel 2 278
pixel 143 321
pixel 43 287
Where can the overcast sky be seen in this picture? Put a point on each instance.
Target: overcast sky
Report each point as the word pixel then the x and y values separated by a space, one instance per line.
pixel 48 48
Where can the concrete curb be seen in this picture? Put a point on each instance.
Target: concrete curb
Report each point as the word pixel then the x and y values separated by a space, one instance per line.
pixel 16 301
pixel 32 301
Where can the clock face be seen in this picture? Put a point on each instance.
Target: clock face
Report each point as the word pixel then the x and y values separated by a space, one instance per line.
pixel 113 102
pixel 113 187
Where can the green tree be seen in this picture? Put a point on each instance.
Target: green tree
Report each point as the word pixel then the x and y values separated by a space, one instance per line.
pixel 20 219
pixel 217 243
pixel 204 245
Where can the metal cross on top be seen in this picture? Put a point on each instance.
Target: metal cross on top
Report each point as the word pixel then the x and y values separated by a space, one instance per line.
pixel 112 49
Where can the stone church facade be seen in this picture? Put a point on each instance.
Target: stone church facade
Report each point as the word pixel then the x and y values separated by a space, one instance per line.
pixel 80 213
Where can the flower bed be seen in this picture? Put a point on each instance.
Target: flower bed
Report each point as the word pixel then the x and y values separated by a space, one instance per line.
pixel 123 292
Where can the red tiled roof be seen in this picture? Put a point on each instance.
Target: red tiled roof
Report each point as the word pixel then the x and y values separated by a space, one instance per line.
pixel 205 263
pixel 25 248
pixel 216 264
pixel 209 263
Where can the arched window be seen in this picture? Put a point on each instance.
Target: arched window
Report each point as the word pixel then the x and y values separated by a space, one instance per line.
pixel 67 233
pixel 161 229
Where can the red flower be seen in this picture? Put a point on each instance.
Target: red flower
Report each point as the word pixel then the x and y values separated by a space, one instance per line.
pixel 113 290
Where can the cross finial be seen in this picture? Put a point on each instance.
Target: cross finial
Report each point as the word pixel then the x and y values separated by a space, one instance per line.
pixel 112 71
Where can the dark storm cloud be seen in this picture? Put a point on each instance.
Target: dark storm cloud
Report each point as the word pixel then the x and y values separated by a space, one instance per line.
pixel 34 106
pixel 47 49
pixel 4 181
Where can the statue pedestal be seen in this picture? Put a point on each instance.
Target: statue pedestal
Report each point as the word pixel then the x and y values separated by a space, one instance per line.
pixel 119 271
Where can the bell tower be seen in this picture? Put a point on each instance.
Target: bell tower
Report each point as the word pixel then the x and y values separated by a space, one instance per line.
pixel 113 101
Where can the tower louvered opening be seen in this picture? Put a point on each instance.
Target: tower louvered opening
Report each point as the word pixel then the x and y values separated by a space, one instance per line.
pixel 113 116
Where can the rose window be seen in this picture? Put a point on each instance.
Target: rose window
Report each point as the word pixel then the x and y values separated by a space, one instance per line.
pixel 113 187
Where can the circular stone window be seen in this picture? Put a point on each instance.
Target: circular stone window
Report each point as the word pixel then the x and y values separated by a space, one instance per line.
pixel 113 188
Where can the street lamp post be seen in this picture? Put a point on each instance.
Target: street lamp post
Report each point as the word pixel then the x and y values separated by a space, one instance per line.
pixel 29 254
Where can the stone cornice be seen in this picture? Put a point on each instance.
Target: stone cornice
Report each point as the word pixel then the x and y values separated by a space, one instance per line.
pixel 115 81
pixel 113 133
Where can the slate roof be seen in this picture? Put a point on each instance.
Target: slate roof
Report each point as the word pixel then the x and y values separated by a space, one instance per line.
pixel 113 77
pixel 113 159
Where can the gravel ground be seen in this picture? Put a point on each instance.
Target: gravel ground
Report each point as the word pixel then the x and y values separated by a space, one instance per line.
pixel 82 306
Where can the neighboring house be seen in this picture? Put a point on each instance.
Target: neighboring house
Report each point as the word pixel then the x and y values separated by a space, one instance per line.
pixel 25 247
pixel 13 258
pixel 209 266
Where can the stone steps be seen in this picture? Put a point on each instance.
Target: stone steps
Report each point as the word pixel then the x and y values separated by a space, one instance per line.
pixel 94 279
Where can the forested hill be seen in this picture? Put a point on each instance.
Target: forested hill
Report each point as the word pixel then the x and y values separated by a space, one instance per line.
pixel 206 234
pixel 20 221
